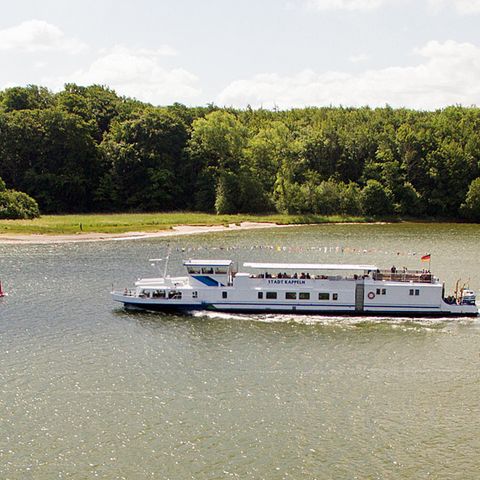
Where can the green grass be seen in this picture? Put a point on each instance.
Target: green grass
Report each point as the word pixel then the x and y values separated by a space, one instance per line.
pixel 149 222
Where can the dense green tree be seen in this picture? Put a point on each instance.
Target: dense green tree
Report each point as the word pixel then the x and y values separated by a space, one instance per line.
pixel 216 149
pixel 16 205
pixel 144 163
pixel 471 207
pixel 26 98
pixel 376 199
pixel 50 155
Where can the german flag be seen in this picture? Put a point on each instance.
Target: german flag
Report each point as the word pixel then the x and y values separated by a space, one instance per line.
pixel 425 258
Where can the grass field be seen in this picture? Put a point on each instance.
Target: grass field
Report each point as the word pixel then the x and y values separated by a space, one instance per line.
pixel 149 222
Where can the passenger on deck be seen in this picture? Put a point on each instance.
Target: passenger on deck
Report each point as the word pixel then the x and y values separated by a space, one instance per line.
pixel 393 269
pixel 295 275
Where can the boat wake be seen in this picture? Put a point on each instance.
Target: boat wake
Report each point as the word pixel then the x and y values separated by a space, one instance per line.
pixel 341 321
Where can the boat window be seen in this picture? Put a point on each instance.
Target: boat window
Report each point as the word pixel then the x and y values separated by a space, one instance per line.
pixel 379 292
pixel 291 295
pixel 411 291
pixel 384 291
pixel 158 294
pixel 193 270
pixel 173 294
pixel 271 295
pixel 417 292
pixel 221 271
pixel 334 296
pixel 208 271
pixel 260 295
pixel 224 294
pixel 194 294
pixel 304 296
pixel 324 296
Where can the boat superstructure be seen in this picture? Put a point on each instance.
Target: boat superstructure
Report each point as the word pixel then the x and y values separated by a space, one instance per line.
pixel 298 288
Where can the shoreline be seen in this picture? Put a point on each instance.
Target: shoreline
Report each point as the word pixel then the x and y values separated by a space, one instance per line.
pixel 36 238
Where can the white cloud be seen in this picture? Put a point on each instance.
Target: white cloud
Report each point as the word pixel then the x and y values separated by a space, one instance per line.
pixel 359 58
pixel 464 7
pixel 136 73
pixel 346 4
pixel 461 6
pixel 161 51
pixel 37 36
pixel 449 73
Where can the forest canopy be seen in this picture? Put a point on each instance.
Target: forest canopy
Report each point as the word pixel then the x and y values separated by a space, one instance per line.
pixel 86 149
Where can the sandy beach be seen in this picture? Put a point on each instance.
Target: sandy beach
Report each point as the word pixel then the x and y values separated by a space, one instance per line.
pixel 104 237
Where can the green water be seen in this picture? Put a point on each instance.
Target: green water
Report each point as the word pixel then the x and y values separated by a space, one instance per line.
pixel 90 391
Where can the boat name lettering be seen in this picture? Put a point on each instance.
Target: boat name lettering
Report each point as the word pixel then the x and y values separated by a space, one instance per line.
pixel 287 282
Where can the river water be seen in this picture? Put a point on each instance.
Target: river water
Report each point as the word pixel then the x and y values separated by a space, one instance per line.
pixel 88 390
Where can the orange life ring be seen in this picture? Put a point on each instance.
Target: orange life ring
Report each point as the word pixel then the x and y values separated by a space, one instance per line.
pixel 371 295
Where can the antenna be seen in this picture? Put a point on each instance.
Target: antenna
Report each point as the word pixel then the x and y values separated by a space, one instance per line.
pixel 167 258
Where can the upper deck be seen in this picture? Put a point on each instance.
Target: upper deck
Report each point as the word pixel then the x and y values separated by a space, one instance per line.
pixel 348 272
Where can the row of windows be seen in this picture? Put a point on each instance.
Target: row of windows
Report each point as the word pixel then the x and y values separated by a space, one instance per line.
pixel 301 295
pixel 207 270
pixel 413 291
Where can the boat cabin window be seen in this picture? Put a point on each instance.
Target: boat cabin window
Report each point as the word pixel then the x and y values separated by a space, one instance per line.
pixel 224 294
pixel 411 291
pixel 417 292
pixel 381 291
pixel 207 270
pixel 159 294
pixel 334 296
pixel 194 270
pixel 271 295
pixel 221 271
pixel 324 296
pixel 260 295
pixel 195 294
pixel 304 296
pixel 290 295
pixel 174 295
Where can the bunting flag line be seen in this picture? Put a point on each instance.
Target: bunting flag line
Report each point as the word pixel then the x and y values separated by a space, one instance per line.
pixel 323 249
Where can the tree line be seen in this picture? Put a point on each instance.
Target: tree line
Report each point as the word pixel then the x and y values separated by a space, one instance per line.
pixel 86 149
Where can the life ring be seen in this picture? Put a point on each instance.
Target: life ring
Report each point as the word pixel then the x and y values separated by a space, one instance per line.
pixel 371 295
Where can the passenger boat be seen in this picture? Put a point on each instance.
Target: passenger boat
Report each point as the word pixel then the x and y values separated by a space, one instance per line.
pixel 299 288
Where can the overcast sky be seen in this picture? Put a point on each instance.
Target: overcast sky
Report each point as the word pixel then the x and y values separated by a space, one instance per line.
pixel 286 53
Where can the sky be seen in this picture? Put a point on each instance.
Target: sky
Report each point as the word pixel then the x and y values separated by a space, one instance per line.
pixel 422 54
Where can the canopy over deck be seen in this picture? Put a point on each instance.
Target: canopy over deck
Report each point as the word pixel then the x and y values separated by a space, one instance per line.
pixel 308 266
pixel 208 263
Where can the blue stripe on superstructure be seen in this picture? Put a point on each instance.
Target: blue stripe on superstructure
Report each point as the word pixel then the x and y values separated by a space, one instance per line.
pixel 208 281
pixel 400 306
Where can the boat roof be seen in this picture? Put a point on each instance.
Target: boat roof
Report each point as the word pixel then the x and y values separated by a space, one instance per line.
pixel 308 266
pixel 207 263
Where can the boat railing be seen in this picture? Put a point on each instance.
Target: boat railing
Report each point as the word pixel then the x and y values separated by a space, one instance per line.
pixel 407 276
pixel 305 277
